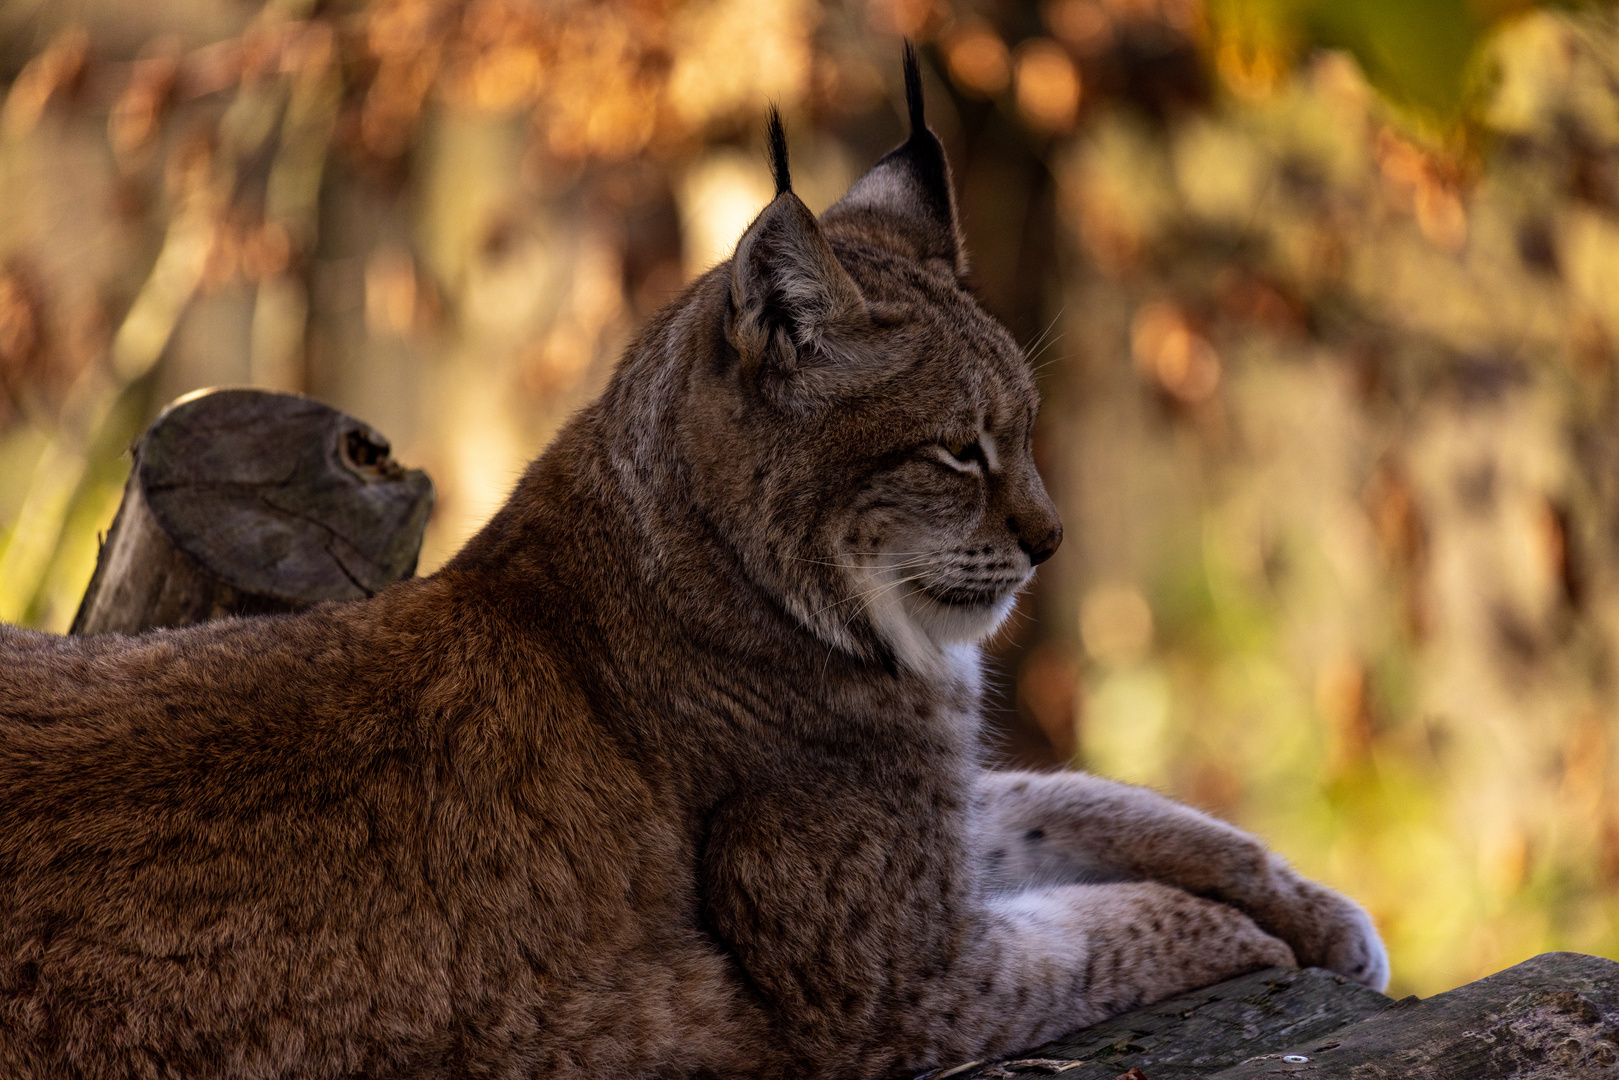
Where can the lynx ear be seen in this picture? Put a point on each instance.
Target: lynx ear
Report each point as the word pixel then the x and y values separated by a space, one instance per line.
pixel 796 314
pixel 907 196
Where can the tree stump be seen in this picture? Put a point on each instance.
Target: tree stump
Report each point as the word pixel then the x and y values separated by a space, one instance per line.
pixel 244 502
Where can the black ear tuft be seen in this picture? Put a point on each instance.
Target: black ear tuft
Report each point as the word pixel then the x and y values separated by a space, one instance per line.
pixel 907 197
pixel 778 153
pixel 913 88
pixel 923 149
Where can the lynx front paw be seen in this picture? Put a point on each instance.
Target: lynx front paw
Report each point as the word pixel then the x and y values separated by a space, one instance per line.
pixel 1325 928
pixel 1150 941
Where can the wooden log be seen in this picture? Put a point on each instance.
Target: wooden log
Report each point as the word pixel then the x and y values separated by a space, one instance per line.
pixel 246 502
pixel 1555 1017
pixel 1198 1033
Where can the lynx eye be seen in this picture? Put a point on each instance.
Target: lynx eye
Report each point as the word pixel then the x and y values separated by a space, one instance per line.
pixel 964 452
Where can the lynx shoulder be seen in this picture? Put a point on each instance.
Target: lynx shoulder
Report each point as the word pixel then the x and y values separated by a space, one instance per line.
pixel 670 772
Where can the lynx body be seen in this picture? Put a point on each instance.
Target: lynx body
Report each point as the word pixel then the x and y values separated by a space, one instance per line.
pixel 673 771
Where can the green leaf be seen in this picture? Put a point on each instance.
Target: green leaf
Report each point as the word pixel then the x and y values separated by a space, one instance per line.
pixel 1418 52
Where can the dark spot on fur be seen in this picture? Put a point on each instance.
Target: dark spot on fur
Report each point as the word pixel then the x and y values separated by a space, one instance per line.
pixel 1034 835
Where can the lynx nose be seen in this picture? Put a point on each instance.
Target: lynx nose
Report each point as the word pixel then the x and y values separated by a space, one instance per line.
pixel 1040 548
pixel 1045 548
pixel 1032 517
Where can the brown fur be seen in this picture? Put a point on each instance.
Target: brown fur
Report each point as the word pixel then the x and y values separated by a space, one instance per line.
pixel 671 772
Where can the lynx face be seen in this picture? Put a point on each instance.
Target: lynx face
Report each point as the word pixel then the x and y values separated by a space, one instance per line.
pixel 938 526
pixel 867 446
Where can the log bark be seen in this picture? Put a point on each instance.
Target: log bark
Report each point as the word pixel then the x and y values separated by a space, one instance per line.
pixel 245 502
pixel 1555 1017
pixel 1195 1034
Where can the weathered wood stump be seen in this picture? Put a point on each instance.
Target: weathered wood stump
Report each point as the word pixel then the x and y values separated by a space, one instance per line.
pixel 247 502
pixel 1555 1017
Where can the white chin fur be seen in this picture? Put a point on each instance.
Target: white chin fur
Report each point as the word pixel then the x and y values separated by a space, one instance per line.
pixel 955 624
pixel 925 634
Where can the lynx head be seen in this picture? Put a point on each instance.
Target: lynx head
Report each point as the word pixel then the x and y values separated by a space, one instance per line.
pixel 862 439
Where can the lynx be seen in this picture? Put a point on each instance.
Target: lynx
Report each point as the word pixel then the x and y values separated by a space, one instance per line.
pixel 673 771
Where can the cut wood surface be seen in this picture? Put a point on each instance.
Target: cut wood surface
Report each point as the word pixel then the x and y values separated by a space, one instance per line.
pixel 1555 1017
pixel 247 502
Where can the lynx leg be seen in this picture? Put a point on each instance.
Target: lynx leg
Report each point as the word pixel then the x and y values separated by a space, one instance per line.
pixel 1043 828
pixel 1065 956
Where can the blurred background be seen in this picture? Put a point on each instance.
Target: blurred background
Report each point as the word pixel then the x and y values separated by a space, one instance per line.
pixel 1324 296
